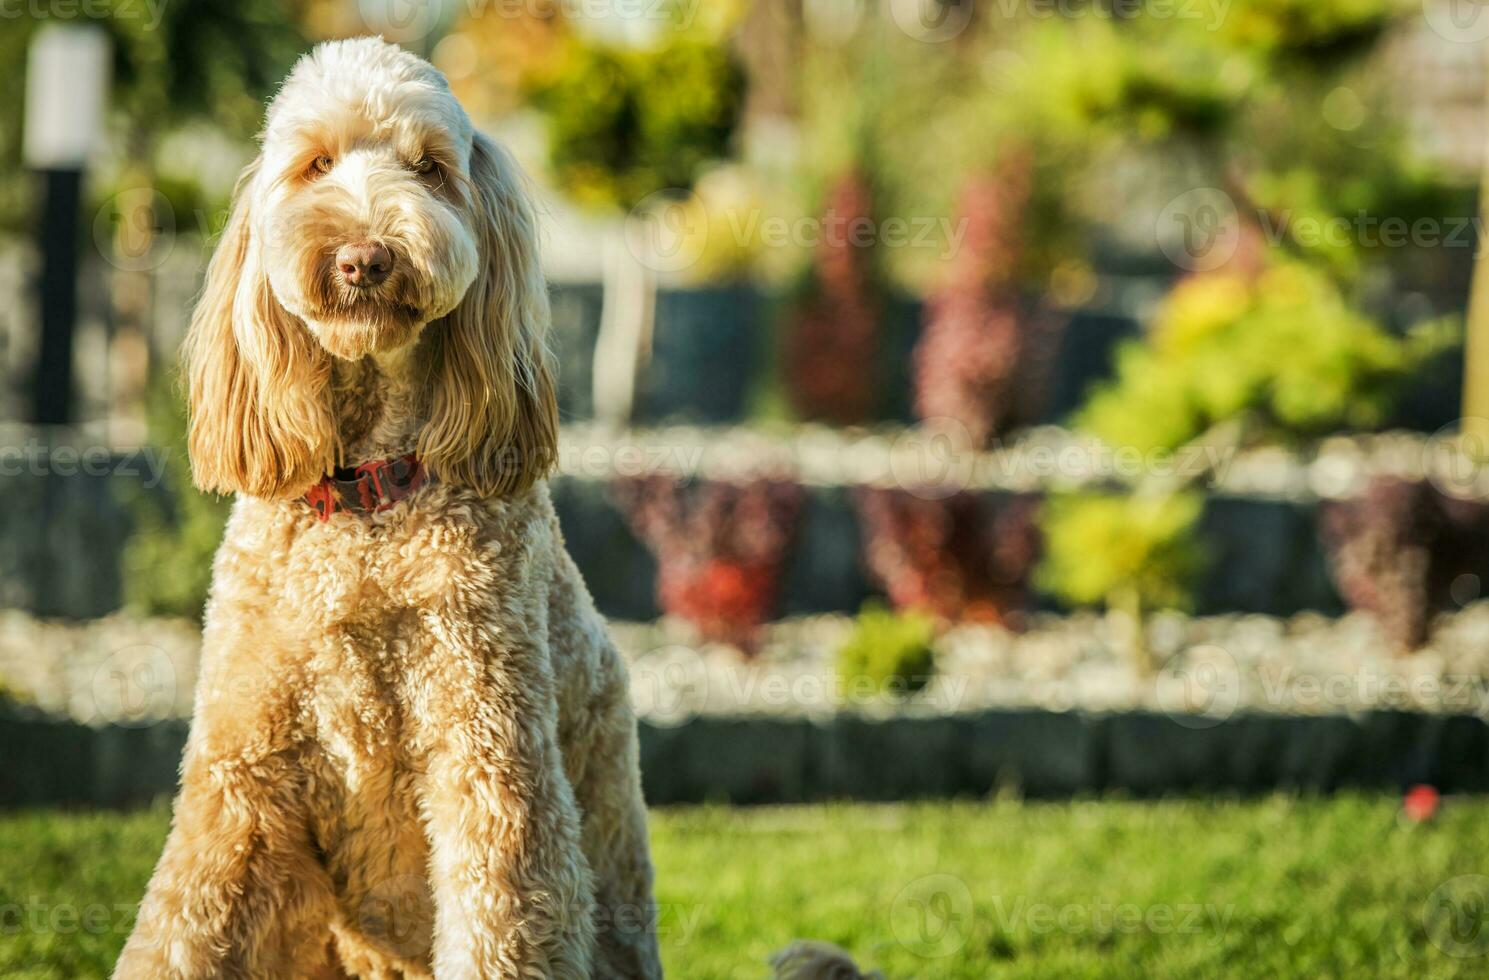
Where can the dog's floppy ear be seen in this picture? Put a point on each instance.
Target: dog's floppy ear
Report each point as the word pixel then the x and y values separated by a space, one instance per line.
pixel 493 421
pixel 261 422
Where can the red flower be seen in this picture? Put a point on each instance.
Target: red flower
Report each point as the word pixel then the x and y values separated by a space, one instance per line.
pixel 832 337
pixel 962 557
pixel 984 355
pixel 720 548
pixel 1421 803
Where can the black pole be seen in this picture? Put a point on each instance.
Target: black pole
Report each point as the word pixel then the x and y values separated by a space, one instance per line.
pixel 57 236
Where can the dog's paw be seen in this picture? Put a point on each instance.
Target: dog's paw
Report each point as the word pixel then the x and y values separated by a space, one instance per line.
pixel 812 959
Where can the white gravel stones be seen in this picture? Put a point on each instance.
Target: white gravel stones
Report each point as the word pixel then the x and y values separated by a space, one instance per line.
pixel 133 672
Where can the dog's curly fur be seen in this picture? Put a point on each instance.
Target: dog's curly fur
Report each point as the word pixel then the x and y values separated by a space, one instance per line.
pixel 413 752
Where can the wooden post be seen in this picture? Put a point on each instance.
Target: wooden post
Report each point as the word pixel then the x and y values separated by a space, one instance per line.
pixel 1475 406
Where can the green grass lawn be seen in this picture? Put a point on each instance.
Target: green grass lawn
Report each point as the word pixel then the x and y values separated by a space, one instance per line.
pixel 1273 888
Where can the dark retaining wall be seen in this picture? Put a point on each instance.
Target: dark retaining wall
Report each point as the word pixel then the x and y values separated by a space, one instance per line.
pixel 64 540
pixel 1266 556
pixel 712 349
pixel 1048 754
pixel 745 761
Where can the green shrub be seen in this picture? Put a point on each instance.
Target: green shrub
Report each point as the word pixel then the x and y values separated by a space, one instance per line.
pixel 1310 28
pixel 625 123
pixel 1132 553
pixel 1281 351
pixel 892 650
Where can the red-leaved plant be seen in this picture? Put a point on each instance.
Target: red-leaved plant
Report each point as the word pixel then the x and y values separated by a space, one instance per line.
pixel 1404 550
pixel 985 356
pixel 966 556
pixel 720 548
pixel 832 331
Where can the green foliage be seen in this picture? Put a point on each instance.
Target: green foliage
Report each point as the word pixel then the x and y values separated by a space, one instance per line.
pixel 203 59
pixel 1315 148
pixel 168 558
pixel 1113 109
pixel 1132 551
pixel 893 650
pixel 212 59
pixel 1311 28
pixel 1152 76
pixel 1282 352
pixel 625 123
pixel 1094 80
pixel 916 121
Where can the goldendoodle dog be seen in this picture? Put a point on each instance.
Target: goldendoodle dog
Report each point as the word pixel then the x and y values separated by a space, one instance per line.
pixel 413 752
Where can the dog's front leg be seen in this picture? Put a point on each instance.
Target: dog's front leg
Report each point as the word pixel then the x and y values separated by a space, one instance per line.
pixel 512 890
pixel 237 892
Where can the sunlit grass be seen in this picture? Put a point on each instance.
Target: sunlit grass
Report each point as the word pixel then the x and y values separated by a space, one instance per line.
pixel 1276 887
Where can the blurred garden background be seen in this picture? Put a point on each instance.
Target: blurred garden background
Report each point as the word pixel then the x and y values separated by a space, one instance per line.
pixel 1023 398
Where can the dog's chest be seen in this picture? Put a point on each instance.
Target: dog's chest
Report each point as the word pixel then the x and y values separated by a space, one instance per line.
pixel 365 756
pixel 349 571
pixel 365 826
pixel 372 608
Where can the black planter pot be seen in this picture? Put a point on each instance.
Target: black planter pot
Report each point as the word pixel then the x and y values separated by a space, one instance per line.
pixel 704 353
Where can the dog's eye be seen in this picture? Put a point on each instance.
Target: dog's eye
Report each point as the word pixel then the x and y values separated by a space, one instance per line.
pixel 425 165
pixel 322 164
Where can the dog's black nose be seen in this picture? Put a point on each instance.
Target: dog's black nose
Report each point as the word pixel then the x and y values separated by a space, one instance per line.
pixel 364 264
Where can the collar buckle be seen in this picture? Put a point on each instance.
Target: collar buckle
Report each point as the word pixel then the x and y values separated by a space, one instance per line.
pixel 367 488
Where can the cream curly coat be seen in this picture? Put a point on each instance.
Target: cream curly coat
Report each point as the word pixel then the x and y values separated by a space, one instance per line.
pixel 412 752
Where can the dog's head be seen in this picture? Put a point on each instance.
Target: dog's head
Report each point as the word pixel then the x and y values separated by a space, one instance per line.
pixel 374 218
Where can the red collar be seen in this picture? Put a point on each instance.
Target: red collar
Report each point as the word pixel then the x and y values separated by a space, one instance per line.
pixel 367 487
